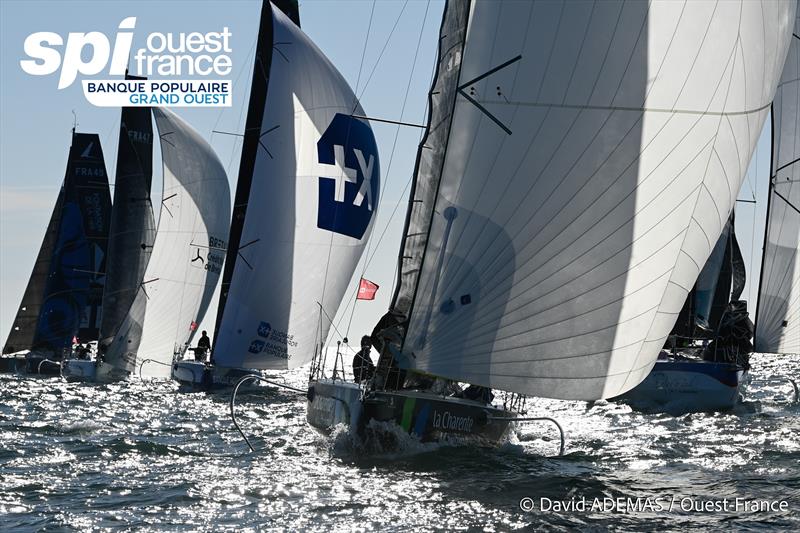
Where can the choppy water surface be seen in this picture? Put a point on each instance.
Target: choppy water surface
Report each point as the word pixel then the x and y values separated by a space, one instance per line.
pixel 141 456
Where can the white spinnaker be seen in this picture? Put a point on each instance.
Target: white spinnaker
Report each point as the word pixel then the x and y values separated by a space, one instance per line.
pixel 288 266
pixel 574 240
pixel 186 261
pixel 778 313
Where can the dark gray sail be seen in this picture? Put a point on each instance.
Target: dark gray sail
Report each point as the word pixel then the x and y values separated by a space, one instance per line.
pixel 69 273
pixel 132 225
pixel 24 327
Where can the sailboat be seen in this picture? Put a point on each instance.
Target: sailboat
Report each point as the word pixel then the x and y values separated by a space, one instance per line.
pixel 580 162
pixel 62 301
pixel 176 275
pixel 704 364
pixel 713 375
pixel 305 201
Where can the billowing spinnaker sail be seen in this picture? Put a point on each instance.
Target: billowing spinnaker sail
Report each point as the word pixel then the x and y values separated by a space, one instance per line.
pixel 593 156
pixel 132 222
pixel 778 312
pixel 187 256
pixel 70 304
pixel 313 193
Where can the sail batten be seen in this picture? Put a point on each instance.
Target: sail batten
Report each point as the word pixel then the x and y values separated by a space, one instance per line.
pixel 563 244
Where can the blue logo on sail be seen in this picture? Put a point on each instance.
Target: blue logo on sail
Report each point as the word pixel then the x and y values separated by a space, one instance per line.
pixel 264 330
pixel 350 175
pixel 256 346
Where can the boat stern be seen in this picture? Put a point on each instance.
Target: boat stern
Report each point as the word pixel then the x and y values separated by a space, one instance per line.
pixel 333 402
pixel 79 370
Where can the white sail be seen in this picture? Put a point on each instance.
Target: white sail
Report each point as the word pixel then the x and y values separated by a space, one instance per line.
pixel 594 153
pixel 313 193
pixel 778 312
pixel 187 256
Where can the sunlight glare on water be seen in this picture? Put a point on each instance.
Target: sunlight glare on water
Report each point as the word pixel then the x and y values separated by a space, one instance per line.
pixel 140 455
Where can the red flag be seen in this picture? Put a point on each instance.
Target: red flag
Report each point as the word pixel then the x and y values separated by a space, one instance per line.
pixel 366 290
pixel 74 339
pixel 193 326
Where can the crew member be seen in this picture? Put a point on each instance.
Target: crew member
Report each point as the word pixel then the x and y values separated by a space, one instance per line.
pixel 203 347
pixel 363 368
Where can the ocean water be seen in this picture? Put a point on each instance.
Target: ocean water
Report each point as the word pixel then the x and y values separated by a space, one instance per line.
pixel 140 456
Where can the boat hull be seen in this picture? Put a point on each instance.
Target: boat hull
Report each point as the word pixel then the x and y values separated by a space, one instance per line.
pixel 429 417
pixel 42 365
pixel 689 386
pixel 79 370
pixel 197 376
pixel 12 364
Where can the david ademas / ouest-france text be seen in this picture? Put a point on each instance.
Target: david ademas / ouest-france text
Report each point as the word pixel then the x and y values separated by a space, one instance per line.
pixel 165 92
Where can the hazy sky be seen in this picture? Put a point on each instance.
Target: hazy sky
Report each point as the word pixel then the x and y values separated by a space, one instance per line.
pixel 36 119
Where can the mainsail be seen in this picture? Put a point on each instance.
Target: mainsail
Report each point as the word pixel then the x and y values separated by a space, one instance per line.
pixel 305 201
pixel 581 161
pixel 132 222
pixel 778 311
pixel 187 255
pixel 63 296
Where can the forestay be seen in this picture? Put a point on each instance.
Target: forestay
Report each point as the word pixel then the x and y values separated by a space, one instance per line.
pixel 778 312
pixel 305 202
pixel 587 159
pixel 187 255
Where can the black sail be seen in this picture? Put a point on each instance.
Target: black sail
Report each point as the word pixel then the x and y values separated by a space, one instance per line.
pixel 24 327
pixel 69 292
pixel 132 225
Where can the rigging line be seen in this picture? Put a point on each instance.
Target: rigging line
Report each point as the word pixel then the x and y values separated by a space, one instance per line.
pixel 790 163
pixel 364 53
pixel 790 204
pixel 374 119
pixel 347 140
pixel 377 61
pixel 394 147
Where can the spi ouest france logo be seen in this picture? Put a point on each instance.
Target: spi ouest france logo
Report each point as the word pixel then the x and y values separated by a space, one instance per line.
pixel 165 57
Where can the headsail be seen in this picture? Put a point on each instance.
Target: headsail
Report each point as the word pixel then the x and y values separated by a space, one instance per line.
pixel 63 296
pixel 187 256
pixel 778 311
pixel 581 162
pixel 24 327
pixel 305 201
pixel 132 223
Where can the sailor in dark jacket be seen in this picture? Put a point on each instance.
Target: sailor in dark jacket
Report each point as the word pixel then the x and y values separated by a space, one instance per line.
pixel 363 368
pixel 203 347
